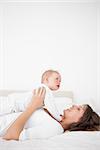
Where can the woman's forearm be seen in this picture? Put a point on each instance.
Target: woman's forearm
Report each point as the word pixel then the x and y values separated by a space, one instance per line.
pixel 15 129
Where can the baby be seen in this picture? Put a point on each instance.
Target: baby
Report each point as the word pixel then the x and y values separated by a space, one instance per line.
pixel 51 80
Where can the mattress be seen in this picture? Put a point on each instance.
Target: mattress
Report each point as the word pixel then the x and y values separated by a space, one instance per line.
pixel 79 140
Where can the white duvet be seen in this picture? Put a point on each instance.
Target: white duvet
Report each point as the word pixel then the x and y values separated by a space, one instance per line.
pixel 79 140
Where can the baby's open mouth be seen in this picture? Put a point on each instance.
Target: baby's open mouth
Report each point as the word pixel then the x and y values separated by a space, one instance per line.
pixel 58 86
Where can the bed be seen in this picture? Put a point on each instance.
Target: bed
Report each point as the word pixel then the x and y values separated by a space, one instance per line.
pixel 76 140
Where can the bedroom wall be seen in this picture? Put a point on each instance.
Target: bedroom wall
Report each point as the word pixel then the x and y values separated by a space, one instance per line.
pixel 1 48
pixel 35 36
pixel 98 54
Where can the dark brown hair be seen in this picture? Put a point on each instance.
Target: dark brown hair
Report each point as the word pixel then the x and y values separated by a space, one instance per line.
pixel 90 121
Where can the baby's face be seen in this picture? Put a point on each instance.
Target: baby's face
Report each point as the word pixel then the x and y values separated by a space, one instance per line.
pixel 54 81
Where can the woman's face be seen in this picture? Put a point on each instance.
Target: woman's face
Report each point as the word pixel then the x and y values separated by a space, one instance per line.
pixel 73 114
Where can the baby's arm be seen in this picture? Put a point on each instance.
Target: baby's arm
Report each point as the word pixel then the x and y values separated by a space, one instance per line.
pixel 15 129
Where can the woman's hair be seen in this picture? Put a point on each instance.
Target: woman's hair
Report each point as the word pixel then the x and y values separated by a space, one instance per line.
pixel 90 121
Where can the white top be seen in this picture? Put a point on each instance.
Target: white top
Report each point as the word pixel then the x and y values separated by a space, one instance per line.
pixel 40 125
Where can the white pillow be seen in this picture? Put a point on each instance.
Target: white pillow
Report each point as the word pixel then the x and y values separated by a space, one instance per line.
pixel 63 103
pixel 19 96
pixel 21 99
pixel 4 105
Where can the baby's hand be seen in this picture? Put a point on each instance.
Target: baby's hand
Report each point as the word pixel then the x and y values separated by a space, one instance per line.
pixel 38 97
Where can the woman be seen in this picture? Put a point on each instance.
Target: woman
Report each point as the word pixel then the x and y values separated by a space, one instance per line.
pixel 73 119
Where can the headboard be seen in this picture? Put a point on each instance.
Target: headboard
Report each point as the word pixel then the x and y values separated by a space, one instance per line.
pixel 56 94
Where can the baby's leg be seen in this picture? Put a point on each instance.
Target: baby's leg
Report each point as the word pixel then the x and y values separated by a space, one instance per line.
pixel 14 103
pixel 22 102
pixel 6 106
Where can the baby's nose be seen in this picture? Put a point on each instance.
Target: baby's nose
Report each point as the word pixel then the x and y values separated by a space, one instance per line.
pixel 59 81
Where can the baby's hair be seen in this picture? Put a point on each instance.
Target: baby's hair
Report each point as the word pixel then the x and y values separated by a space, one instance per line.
pixel 47 73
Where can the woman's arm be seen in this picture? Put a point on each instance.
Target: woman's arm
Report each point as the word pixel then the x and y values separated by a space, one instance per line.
pixel 15 129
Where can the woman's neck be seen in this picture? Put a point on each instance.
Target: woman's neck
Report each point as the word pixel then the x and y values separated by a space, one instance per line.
pixel 65 126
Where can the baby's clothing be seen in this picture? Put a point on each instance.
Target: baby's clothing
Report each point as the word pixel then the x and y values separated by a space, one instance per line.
pixel 39 125
pixel 14 104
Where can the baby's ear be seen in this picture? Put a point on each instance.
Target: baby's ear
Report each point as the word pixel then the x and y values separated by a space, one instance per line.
pixel 46 79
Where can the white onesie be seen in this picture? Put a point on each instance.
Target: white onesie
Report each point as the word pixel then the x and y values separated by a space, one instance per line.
pixel 15 104
pixel 39 125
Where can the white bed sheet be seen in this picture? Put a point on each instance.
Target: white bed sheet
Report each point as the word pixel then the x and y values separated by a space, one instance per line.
pixel 79 140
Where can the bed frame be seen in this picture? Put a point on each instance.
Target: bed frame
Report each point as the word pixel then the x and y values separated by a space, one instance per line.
pixel 56 94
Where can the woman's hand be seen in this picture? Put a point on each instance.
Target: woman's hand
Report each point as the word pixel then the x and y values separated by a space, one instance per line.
pixel 38 97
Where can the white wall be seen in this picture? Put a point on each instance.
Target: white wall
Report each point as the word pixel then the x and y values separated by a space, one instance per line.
pixel 98 54
pixel 1 46
pixel 62 36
